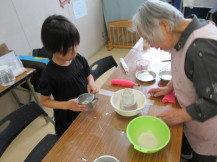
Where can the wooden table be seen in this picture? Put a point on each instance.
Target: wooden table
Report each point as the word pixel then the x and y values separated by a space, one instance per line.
pixel 24 77
pixel 103 132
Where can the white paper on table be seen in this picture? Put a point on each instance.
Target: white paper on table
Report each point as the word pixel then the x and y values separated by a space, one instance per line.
pixel 124 65
pixel 105 92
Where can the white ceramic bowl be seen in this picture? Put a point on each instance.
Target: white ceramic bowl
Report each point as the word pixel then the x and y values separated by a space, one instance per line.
pixel 140 99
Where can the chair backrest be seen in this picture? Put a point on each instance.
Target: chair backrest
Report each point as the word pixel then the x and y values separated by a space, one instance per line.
pixel 18 120
pixel 41 52
pixel 42 148
pixel 120 35
pixel 102 65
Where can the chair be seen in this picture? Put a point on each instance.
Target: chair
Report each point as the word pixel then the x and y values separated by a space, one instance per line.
pixel 40 52
pixel 43 147
pixel 17 121
pixel 120 35
pixel 102 65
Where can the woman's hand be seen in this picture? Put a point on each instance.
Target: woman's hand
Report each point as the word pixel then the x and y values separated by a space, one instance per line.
pixel 160 91
pixel 175 116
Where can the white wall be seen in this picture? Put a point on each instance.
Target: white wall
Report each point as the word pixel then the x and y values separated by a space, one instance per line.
pixel 21 20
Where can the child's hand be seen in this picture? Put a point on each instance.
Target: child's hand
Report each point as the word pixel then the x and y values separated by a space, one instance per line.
pixel 161 91
pixel 74 106
pixel 92 88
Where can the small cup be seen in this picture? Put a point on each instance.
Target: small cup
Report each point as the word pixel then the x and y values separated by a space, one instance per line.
pixel 87 99
pixel 127 97
pixel 142 65
pixel 106 158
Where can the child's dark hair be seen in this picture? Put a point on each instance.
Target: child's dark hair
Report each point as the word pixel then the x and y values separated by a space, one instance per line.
pixel 58 34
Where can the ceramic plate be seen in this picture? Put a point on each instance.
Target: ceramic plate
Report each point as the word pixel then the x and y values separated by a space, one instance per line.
pixel 145 75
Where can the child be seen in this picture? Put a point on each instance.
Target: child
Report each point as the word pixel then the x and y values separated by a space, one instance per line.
pixel 67 75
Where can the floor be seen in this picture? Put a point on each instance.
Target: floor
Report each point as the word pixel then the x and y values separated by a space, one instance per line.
pixel 27 140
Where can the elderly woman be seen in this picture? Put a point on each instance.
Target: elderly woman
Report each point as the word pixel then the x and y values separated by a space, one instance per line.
pixel 193 47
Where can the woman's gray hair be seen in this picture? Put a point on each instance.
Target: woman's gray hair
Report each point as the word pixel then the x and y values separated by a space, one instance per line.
pixel 148 17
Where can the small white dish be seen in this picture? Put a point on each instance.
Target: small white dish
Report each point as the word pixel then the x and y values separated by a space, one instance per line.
pixel 165 75
pixel 145 75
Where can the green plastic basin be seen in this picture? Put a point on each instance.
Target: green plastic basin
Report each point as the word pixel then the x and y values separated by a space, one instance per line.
pixel 147 130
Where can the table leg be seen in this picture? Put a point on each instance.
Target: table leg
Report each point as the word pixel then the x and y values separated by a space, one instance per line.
pixel 33 91
pixel 16 98
pixel 47 118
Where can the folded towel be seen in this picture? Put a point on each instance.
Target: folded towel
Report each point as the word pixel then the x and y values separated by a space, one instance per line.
pixel 169 98
pixel 124 83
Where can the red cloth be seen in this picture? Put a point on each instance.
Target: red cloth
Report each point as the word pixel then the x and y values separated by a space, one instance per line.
pixel 124 83
pixel 169 98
